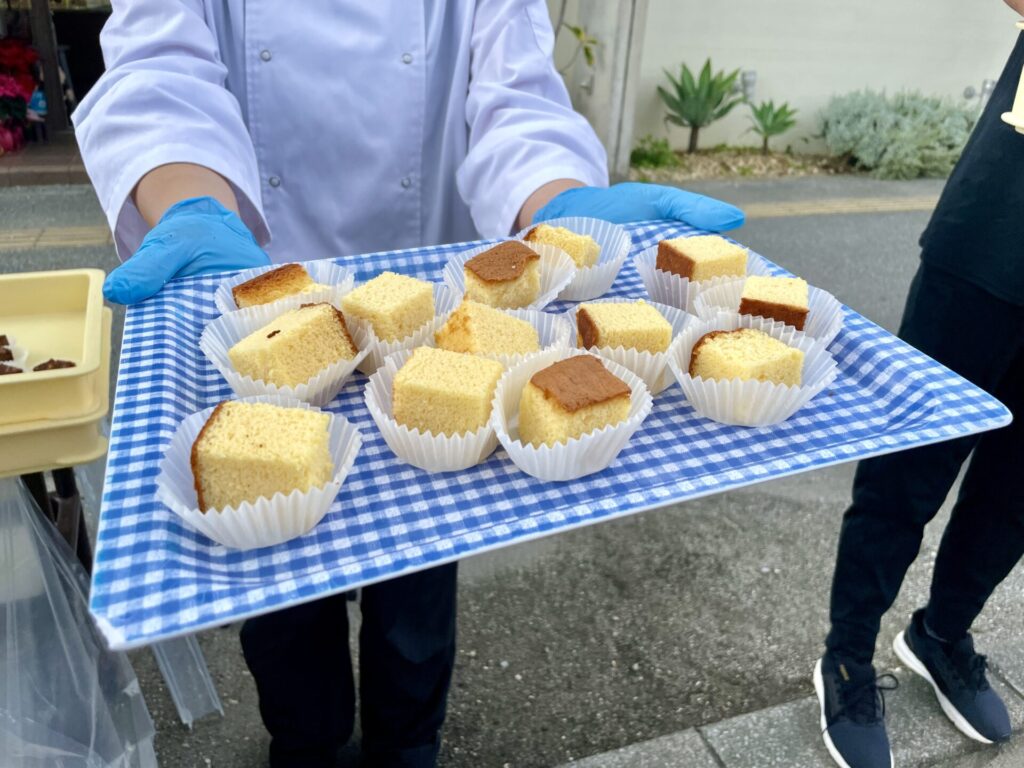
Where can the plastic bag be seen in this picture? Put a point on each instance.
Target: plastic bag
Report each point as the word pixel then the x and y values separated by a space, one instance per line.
pixel 65 700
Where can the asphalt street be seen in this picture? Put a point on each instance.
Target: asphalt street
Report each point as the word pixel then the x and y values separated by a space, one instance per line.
pixel 638 628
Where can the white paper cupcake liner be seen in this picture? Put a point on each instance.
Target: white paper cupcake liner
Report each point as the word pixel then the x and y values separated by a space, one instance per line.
pixel 552 333
pixel 264 522
pixel 680 292
pixel 445 302
pixel 579 456
pixel 18 354
pixel 556 271
pixel 615 242
pixel 338 279
pixel 227 330
pixel 751 403
pixel 652 367
pixel 434 453
pixel 824 312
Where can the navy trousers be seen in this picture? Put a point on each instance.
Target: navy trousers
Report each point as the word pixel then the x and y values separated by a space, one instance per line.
pixel 894 496
pixel 299 658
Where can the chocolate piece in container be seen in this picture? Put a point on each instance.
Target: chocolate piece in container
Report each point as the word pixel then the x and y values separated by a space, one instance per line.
pixel 6 354
pixel 6 369
pixel 53 364
pixel 4 341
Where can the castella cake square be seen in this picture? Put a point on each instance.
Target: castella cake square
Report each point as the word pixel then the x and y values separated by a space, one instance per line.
pixel 582 249
pixel 444 392
pixel 630 325
pixel 747 354
pixel 284 281
pixel 701 257
pixel 506 276
pixel 394 305
pixel 780 298
pixel 294 347
pixel 249 450
pixel 479 329
pixel 570 398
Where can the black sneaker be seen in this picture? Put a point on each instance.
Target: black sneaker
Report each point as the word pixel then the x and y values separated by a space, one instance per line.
pixel 853 712
pixel 957 675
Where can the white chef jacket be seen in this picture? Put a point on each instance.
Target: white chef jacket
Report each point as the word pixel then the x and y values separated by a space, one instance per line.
pixel 344 126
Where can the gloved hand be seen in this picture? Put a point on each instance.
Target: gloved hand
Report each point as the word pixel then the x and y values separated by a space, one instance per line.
pixel 193 237
pixel 635 201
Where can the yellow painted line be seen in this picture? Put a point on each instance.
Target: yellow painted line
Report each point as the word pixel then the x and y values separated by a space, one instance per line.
pixel 77 237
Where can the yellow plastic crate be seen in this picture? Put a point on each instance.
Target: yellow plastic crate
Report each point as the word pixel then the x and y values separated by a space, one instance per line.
pixel 53 315
pixel 43 444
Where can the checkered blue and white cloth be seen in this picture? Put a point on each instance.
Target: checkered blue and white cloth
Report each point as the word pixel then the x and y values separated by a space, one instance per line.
pixel 156 578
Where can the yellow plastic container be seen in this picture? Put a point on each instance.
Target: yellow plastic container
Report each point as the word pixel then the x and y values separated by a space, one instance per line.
pixel 52 315
pixel 43 444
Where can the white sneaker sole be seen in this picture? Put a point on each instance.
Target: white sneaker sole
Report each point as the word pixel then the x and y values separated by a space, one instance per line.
pixel 916 666
pixel 819 689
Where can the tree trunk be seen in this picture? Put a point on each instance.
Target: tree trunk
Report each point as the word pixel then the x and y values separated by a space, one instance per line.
pixel 764 146
pixel 694 130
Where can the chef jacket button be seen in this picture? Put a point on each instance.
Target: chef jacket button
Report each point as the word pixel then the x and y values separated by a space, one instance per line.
pixel 274 181
pixel 407 58
pixel 406 182
pixel 265 55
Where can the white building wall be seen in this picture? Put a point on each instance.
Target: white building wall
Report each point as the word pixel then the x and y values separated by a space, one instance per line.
pixel 805 51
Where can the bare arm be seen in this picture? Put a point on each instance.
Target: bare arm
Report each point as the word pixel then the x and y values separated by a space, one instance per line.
pixel 1017 5
pixel 168 184
pixel 543 195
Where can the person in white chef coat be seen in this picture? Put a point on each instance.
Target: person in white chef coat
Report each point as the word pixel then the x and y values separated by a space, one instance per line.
pixel 342 127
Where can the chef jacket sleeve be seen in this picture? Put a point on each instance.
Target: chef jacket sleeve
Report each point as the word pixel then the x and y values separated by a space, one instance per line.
pixel 523 131
pixel 162 100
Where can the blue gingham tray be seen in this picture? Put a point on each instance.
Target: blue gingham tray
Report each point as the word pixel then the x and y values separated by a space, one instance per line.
pixel 155 578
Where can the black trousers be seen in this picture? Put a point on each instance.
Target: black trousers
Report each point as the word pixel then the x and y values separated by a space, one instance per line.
pixel 894 496
pixel 299 658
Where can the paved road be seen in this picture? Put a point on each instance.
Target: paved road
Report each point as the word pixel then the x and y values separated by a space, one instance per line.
pixel 648 626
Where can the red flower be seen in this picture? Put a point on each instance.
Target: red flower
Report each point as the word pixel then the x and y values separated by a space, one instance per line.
pixel 16 56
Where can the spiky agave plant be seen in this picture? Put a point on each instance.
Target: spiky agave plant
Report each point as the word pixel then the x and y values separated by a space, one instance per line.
pixel 769 120
pixel 696 103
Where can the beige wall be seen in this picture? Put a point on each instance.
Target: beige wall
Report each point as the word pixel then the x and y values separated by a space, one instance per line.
pixel 804 51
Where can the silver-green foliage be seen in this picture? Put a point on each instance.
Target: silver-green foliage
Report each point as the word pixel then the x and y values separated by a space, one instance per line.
pixel 903 136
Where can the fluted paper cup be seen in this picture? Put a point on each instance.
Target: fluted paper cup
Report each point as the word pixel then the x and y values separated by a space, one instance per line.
pixel 824 312
pixel 445 302
pixel 615 242
pixel 230 328
pixel 552 333
pixel 264 522
pixel 680 292
pixel 339 281
pixel 751 403
pixel 19 354
pixel 434 453
pixel 556 271
pixel 652 367
pixel 579 456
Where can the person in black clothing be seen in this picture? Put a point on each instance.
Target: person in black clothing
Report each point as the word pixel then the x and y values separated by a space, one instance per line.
pixel 965 309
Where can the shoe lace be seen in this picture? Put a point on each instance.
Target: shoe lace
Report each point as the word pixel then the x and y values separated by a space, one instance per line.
pixel 860 702
pixel 976 667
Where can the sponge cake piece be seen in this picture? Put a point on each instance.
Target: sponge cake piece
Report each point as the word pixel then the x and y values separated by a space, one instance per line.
pixel 394 305
pixel 249 450
pixel 506 276
pixel 478 329
pixel 631 325
pixel 701 257
pixel 295 347
pixel 747 354
pixel 780 298
pixel 444 392
pixel 582 249
pixel 286 280
pixel 570 398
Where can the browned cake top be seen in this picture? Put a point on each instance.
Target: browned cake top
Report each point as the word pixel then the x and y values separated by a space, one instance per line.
pixel 6 369
pixel 578 382
pixel 6 354
pixel 587 327
pixel 53 364
pixel 505 261
pixel 701 342
pixel 275 280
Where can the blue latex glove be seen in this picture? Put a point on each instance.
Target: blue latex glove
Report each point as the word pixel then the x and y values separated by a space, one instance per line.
pixel 635 201
pixel 193 237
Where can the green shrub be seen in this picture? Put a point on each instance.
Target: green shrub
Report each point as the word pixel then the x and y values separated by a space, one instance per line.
pixel 904 136
pixel 769 120
pixel 652 152
pixel 696 103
